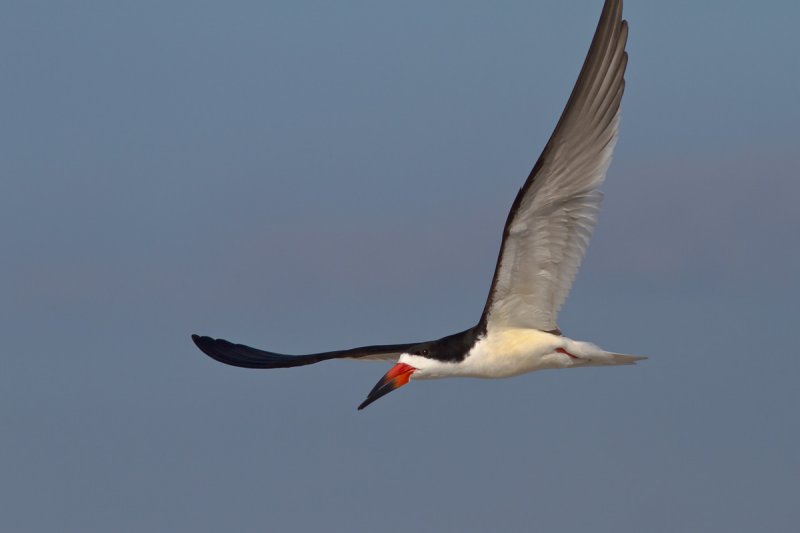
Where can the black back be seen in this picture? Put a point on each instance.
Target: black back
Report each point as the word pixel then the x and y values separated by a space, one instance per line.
pixel 452 349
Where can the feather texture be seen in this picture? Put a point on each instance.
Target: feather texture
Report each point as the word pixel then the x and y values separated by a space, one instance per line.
pixel 552 218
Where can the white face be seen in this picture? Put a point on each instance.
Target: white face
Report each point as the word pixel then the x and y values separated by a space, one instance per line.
pixel 428 368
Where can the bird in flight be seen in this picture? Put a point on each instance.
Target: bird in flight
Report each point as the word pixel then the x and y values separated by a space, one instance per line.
pixel 544 240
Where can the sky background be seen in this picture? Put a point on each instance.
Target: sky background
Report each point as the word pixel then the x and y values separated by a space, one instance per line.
pixel 304 176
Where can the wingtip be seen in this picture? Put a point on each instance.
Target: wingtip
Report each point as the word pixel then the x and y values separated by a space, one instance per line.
pixel 204 344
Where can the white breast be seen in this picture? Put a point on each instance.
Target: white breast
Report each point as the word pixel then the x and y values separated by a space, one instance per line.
pixel 501 353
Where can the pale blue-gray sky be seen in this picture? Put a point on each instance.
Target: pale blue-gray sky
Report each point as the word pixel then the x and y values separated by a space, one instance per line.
pixel 304 176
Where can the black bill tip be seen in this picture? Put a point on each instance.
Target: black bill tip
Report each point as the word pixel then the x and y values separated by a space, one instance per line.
pixel 395 378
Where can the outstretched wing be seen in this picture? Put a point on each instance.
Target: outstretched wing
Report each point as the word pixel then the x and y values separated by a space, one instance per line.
pixel 247 357
pixel 553 215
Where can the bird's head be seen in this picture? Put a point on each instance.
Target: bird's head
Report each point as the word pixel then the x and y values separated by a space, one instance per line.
pixel 427 360
pixel 414 362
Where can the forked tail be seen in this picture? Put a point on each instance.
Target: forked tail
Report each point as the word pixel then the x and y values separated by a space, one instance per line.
pixel 588 354
pixel 611 359
pixel 622 359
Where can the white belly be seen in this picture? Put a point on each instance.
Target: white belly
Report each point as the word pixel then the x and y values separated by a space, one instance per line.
pixel 501 353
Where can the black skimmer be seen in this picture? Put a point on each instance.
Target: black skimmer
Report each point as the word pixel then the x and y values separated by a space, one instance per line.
pixel 544 240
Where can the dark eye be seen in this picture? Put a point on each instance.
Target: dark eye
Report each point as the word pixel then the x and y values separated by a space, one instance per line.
pixel 424 352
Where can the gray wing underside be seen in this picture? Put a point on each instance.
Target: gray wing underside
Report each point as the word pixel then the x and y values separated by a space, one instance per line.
pixel 554 213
